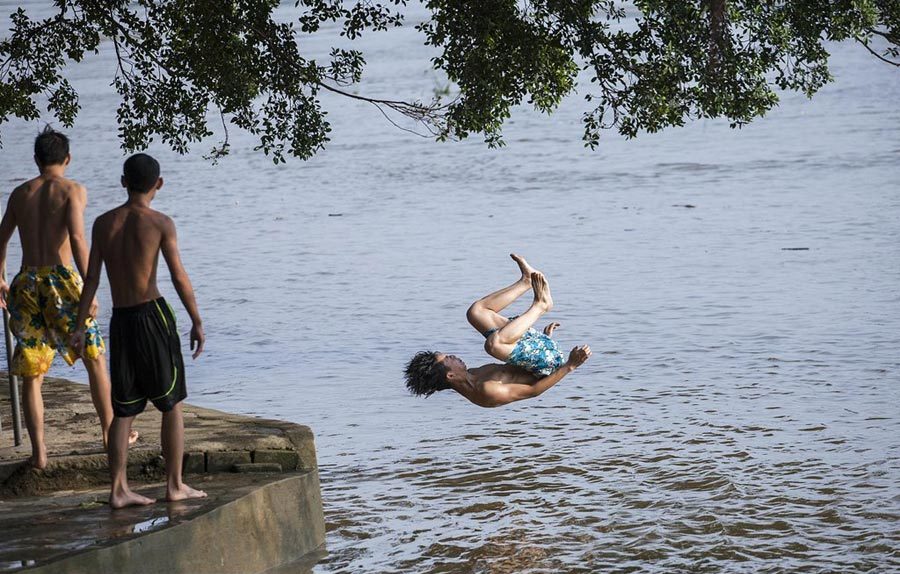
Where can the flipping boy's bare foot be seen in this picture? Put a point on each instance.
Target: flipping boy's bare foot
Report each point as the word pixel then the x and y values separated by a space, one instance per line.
pixel 183 492
pixel 526 269
pixel 128 498
pixel 541 288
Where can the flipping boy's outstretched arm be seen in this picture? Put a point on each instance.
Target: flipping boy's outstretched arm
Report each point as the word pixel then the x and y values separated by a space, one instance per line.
pixel 182 284
pixel 508 393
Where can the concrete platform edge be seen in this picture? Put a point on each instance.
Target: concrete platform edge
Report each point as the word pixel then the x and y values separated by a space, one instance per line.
pixel 277 523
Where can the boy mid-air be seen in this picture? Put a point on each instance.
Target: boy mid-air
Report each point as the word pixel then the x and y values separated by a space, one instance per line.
pixel 145 360
pixel 43 298
pixel 533 361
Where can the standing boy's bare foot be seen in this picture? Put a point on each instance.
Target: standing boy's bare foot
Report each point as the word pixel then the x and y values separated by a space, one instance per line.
pixel 526 269
pixel 541 289
pixel 38 460
pixel 183 493
pixel 127 498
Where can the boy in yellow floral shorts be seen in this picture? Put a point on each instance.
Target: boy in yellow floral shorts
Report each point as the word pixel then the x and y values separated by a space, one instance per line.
pixel 43 305
pixel 43 298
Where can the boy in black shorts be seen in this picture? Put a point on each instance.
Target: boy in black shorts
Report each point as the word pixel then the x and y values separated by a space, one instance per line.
pixel 146 360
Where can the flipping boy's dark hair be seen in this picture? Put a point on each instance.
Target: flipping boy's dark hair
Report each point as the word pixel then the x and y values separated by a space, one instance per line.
pixel 51 147
pixel 141 172
pixel 424 375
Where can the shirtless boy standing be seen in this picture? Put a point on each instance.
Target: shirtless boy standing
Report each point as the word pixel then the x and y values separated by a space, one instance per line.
pixel 43 298
pixel 533 361
pixel 146 359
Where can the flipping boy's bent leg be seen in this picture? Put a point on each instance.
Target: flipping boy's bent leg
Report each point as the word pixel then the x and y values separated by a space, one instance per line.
pixel 172 438
pixel 484 314
pixel 502 342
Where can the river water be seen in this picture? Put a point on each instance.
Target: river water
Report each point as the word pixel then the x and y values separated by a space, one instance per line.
pixel 740 412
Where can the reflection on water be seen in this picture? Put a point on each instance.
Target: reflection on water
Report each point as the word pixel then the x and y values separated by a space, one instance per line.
pixel 149 525
pixel 738 289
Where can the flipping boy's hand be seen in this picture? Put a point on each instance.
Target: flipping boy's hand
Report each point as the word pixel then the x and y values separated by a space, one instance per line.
pixel 579 355
pixel 197 340
pixel 4 293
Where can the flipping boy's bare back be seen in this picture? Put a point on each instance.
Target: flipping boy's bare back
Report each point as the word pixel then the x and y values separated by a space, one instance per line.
pixel 130 239
pixel 486 383
pixel 46 210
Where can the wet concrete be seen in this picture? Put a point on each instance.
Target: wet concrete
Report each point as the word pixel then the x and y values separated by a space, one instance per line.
pixel 264 508
pixel 236 529
pixel 40 529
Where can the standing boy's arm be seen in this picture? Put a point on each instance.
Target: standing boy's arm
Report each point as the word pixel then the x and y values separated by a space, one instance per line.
pixel 88 292
pixel 75 226
pixel 7 227
pixel 182 284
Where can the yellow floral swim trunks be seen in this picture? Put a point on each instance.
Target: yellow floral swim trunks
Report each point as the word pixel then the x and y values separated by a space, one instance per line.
pixel 43 308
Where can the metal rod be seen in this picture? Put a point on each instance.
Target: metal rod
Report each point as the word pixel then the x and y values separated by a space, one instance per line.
pixel 13 380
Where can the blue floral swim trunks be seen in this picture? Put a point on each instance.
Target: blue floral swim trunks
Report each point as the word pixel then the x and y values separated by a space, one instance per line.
pixel 43 308
pixel 535 352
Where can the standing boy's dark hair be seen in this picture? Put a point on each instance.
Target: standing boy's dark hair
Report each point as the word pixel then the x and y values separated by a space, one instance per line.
pixel 140 172
pixel 51 147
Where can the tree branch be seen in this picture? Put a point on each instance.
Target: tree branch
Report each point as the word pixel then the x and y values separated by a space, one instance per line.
pixel 886 35
pixel 424 114
pixel 876 54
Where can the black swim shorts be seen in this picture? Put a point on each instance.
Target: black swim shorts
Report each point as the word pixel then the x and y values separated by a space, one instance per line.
pixel 145 358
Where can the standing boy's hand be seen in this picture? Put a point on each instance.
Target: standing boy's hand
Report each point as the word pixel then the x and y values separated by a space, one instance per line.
pixel 197 339
pixel 76 341
pixel 95 309
pixel 4 293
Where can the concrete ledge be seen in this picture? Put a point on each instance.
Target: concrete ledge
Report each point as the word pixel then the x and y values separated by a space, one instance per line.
pixel 288 459
pixel 271 524
pixel 214 442
pixel 86 470
pixel 226 460
pixel 265 467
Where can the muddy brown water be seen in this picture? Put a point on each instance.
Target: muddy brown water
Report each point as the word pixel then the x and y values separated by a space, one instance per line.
pixel 740 411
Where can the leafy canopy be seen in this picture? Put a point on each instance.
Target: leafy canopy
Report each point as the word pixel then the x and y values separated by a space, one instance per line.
pixel 669 62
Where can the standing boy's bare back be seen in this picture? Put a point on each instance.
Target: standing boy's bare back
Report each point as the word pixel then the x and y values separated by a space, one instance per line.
pixel 47 210
pixel 130 239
